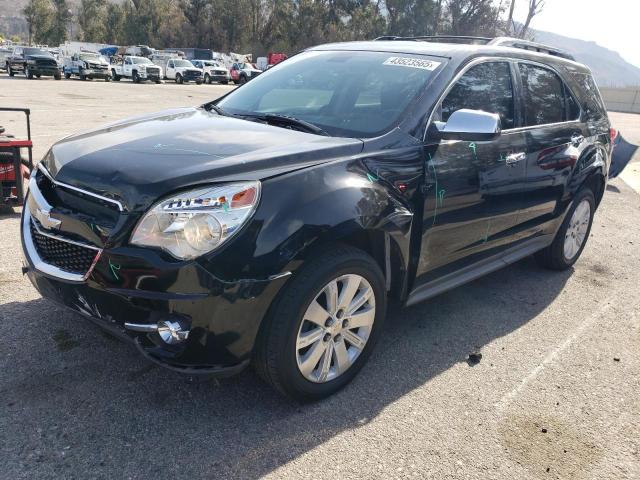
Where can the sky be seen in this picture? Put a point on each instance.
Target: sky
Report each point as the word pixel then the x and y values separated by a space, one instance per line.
pixel 614 24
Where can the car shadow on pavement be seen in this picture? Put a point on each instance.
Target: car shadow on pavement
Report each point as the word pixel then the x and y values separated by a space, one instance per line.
pixel 111 413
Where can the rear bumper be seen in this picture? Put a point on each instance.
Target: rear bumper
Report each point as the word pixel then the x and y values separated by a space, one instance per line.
pixel 139 286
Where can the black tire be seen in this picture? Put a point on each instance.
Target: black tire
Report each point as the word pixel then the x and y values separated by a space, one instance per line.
pixel 107 78
pixel 553 257
pixel 114 76
pixel 198 82
pixel 225 82
pixel 179 79
pixel 11 72
pixel 28 73
pixel 274 355
pixel 38 75
pixel 67 75
pixel 82 75
pixel 207 79
pixel 135 77
pixel 242 80
pixel 57 76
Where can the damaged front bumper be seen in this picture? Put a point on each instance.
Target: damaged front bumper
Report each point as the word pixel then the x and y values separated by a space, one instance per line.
pixel 138 294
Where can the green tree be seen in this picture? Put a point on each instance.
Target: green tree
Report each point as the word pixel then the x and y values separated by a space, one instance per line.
pixel 39 15
pixel 114 24
pixel 92 18
pixel 60 21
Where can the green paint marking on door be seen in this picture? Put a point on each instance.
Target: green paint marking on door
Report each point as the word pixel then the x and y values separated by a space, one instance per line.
pixel 113 268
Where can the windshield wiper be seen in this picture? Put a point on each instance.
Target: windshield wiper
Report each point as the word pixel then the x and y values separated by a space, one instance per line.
pixel 290 121
pixel 217 109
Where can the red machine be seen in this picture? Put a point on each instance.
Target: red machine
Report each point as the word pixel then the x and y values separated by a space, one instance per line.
pixel 275 58
pixel 14 169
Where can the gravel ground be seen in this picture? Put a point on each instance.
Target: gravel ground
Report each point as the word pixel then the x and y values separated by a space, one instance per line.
pixel 556 394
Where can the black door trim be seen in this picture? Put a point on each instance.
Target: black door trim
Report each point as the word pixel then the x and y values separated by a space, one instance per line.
pixel 477 270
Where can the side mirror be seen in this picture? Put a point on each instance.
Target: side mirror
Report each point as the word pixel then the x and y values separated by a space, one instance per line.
pixel 470 126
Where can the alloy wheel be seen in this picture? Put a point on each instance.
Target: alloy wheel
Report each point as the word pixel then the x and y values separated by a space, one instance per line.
pixel 335 328
pixel 577 229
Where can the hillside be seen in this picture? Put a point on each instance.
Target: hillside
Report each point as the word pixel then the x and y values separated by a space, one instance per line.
pixel 608 67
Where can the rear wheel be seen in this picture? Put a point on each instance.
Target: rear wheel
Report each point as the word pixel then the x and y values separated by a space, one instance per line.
pixel 11 72
pixel 322 329
pixel 67 75
pixel 114 76
pixel 572 235
pixel 57 76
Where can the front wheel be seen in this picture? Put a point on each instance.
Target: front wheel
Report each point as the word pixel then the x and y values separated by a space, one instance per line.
pixel 56 76
pixel 572 235
pixel 323 327
pixel 179 78
pixel 207 78
pixel 135 77
pixel 28 73
pixel 67 75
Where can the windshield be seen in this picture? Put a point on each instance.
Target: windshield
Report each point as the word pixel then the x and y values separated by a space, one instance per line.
pixel 139 60
pixel 89 56
pixel 36 51
pixel 182 63
pixel 353 94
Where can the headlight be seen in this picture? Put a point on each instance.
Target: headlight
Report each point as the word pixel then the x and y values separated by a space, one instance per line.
pixel 193 223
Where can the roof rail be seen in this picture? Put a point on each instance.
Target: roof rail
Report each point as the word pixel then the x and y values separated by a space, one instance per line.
pixel 533 46
pixel 441 39
pixel 498 41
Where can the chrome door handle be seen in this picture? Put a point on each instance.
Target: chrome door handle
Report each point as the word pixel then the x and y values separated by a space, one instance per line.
pixel 577 140
pixel 514 158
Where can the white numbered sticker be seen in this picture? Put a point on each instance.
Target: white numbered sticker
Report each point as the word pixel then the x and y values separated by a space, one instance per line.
pixel 412 63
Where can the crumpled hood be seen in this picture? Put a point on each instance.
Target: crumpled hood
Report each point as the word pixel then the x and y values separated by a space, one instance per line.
pixel 139 160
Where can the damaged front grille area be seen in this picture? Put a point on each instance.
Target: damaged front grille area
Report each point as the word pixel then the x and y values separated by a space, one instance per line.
pixel 61 253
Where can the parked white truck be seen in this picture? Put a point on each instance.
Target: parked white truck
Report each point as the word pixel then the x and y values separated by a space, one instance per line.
pixel 213 71
pixel 137 69
pixel 182 71
pixel 86 65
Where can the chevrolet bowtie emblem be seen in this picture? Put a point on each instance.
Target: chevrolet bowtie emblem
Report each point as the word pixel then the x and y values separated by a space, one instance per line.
pixel 46 220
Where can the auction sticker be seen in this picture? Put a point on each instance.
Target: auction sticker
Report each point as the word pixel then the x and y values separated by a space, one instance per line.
pixel 412 63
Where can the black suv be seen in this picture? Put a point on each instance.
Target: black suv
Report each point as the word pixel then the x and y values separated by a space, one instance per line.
pixel 33 62
pixel 272 225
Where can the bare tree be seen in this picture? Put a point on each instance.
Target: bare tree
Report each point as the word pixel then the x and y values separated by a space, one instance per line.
pixel 535 7
pixel 511 28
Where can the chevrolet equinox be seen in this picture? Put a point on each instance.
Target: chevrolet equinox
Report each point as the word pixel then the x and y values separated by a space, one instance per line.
pixel 271 226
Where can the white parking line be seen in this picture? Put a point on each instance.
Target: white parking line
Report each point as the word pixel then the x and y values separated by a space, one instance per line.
pixel 551 357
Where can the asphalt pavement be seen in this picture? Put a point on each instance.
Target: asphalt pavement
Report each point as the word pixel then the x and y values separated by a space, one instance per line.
pixel 555 394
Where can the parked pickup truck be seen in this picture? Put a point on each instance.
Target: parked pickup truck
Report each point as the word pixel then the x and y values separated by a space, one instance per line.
pixel 213 71
pixel 32 62
pixel 242 72
pixel 183 71
pixel 137 69
pixel 86 65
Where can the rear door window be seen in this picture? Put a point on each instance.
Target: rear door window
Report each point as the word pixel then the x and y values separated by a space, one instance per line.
pixel 487 87
pixel 546 99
